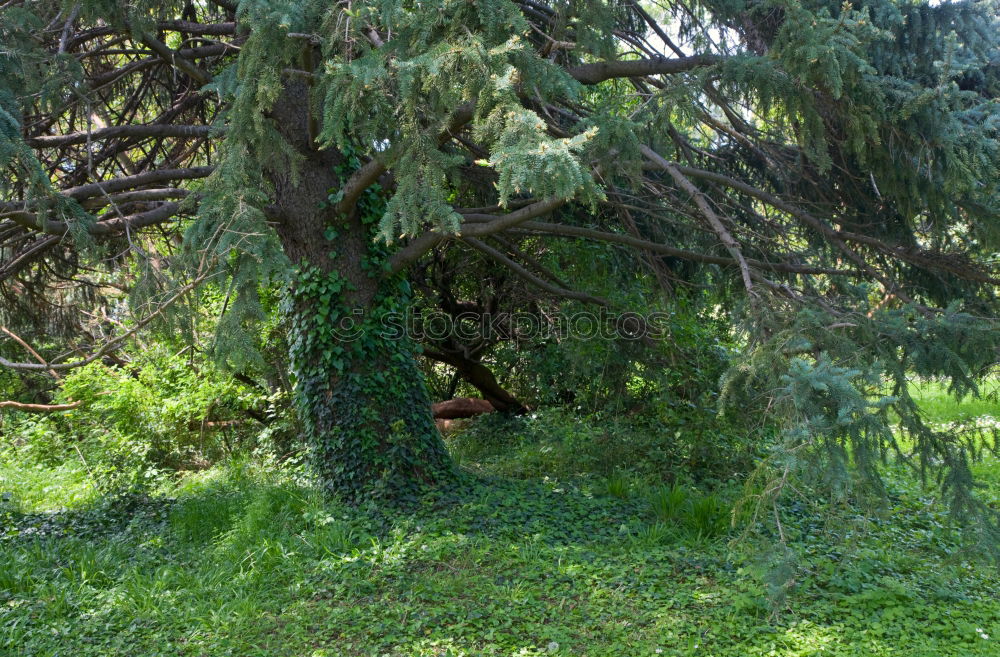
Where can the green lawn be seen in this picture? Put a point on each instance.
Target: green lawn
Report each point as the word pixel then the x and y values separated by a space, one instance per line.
pixel 234 561
pixel 933 398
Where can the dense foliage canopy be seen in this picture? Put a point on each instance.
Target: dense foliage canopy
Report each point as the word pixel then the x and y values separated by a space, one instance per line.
pixel 822 176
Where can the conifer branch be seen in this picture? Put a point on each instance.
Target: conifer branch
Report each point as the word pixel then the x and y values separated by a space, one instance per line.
pixel 128 130
pixel 537 281
pixel 596 72
pixel 364 177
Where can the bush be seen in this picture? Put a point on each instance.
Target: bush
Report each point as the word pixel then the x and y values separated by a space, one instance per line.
pixel 161 413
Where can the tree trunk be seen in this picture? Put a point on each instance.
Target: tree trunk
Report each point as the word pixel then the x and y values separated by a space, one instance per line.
pixel 361 395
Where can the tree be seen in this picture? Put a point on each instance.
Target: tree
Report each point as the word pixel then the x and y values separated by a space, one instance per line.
pixel 835 165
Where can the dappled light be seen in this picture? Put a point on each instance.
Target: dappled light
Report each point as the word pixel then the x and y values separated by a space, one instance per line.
pixel 497 328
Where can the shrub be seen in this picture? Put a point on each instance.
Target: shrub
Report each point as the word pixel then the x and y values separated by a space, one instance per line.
pixel 161 413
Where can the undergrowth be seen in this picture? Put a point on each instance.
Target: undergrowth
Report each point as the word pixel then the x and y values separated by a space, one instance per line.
pixel 243 559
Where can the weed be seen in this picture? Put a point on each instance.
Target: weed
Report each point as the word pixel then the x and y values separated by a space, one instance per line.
pixel 617 485
pixel 667 502
pixel 709 517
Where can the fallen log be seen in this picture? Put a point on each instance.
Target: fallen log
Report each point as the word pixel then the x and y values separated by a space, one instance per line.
pixel 461 407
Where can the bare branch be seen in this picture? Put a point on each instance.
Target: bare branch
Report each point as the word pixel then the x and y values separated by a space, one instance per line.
pixel 682 254
pixel 40 408
pixel 174 58
pixel 596 72
pixel 427 241
pixel 531 278
pixel 706 209
pixel 138 180
pixel 108 227
pixel 114 344
pixel 53 141
pixel 16 338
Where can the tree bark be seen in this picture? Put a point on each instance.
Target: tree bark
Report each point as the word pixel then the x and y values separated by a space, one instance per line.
pixel 361 395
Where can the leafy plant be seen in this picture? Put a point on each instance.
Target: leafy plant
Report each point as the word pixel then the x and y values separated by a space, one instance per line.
pixel 667 502
pixel 709 517
pixel 617 485
pixel 656 534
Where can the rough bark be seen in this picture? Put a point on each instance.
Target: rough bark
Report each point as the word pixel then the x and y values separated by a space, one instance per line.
pixel 365 408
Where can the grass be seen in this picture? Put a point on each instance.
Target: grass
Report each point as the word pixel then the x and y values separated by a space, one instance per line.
pixel 241 561
pixel 940 407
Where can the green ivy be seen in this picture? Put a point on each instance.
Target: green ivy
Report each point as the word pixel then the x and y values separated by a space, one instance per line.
pixel 350 390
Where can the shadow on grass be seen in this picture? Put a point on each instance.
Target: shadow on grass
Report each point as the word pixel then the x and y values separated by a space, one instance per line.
pixel 239 561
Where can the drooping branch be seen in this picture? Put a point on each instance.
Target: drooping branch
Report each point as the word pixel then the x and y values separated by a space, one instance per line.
pixel 537 281
pixel 496 224
pixel 14 266
pixel 682 254
pixel 114 344
pixel 706 209
pixel 838 238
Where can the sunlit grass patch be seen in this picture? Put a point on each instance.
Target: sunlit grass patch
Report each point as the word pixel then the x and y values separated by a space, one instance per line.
pixel 940 406
pixel 249 559
pixel 34 488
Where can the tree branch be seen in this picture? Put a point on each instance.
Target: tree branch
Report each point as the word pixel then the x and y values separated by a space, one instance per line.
pixel 682 254
pixel 27 347
pixel 174 58
pixel 531 278
pixel 138 180
pixel 836 237
pixel 706 209
pixel 427 241
pixel 111 345
pixel 166 130
pixel 40 408
pixel 363 178
pixel 100 228
pixel 596 72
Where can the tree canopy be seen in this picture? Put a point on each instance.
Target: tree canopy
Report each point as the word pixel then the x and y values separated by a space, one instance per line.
pixel 829 170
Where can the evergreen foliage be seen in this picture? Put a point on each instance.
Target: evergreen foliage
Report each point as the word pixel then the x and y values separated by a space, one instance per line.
pixel 829 169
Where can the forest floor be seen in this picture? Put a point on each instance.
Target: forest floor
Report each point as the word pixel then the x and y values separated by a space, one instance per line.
pixel 238 561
